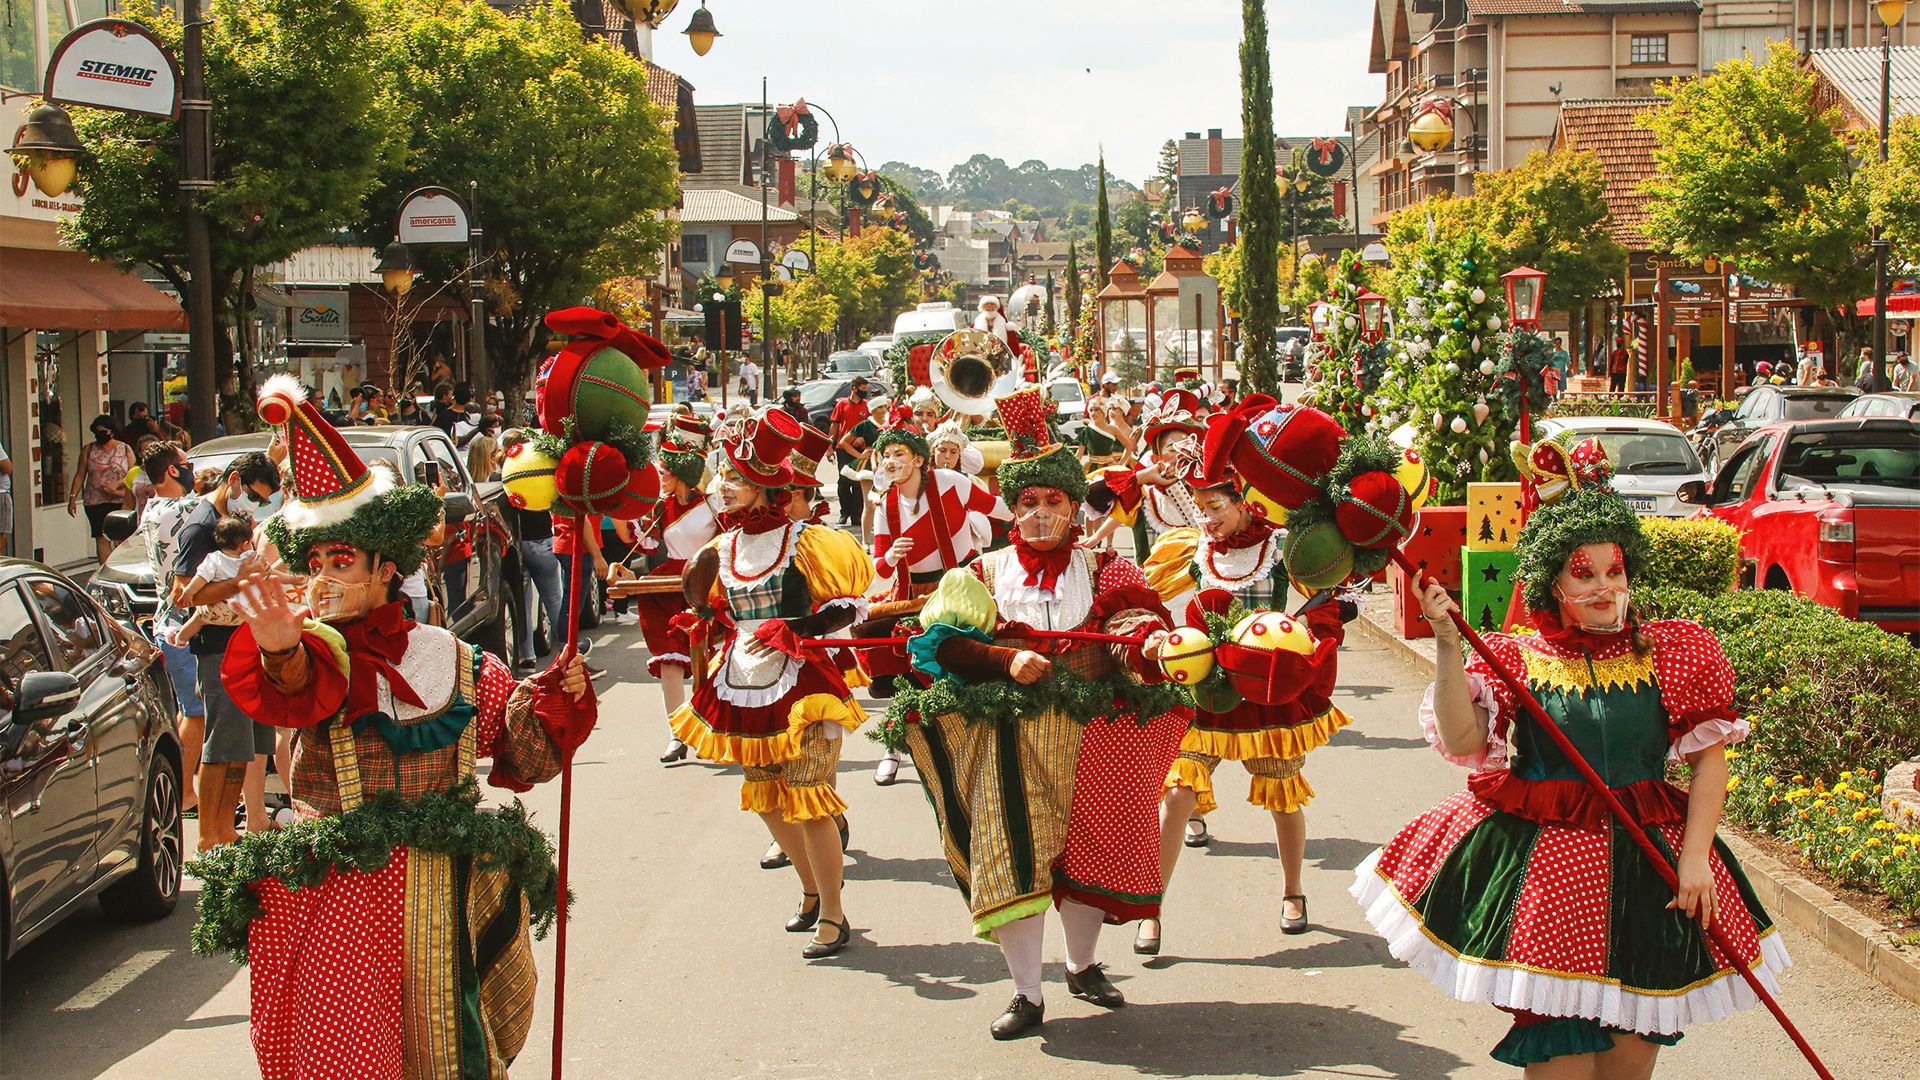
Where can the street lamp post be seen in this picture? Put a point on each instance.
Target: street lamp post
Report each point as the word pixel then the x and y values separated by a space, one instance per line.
pixel 196 183
pixel 1891 13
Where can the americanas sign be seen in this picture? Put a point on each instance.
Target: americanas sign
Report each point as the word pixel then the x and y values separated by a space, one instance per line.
pixel 114 64
pixel 432 215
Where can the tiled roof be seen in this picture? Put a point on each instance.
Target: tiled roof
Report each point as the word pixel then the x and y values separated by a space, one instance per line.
pixel 663 86
pixel 712 206
pixel 1578 7
pixel 1609 128
pixel 1850 78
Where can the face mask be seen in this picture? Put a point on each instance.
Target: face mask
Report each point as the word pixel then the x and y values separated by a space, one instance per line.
pixel 1042 525
pixel 182 475
pixel 102 434
pixel 331 600
pixel 1577 602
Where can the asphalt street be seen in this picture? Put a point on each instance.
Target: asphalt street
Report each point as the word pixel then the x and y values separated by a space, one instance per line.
pixel 679 966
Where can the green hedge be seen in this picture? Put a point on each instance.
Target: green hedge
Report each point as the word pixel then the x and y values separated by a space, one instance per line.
pixel 1699 554
pixel 1834 703
pixel 1573 405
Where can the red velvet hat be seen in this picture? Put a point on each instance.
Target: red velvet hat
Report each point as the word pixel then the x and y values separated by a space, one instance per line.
pixel 330 482
pixel 1179 411
pixel 759 447
pixel 1281 451
pixel 806 457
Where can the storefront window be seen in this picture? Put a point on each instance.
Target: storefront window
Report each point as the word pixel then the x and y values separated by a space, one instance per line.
pixel 53 424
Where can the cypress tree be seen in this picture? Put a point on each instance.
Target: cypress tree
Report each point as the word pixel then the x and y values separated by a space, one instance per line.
pixel 1103 237
pixel 1259 205
pixel 1047 323
pixel 1073 287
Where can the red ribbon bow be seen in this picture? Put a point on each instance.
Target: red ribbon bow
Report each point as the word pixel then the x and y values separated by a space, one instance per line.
pixel 376 642
pixel 791 115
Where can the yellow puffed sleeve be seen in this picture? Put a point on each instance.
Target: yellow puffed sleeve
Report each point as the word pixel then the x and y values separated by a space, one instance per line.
pixel 1169 565
pixel 835 565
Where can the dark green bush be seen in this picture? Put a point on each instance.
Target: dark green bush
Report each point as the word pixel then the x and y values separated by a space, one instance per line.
pixel 1700 554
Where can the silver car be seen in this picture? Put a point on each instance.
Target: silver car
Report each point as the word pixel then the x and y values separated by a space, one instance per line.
pixel 1651 459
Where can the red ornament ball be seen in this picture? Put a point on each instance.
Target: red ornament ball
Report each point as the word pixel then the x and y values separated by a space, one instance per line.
pixel 1375 511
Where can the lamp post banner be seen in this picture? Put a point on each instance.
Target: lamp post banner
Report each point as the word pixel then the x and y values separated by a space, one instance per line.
pixel 432 215
pixel 114 64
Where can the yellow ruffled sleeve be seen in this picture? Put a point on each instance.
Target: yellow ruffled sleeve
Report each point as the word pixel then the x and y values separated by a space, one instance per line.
pixel 1169 565
pixel 835 565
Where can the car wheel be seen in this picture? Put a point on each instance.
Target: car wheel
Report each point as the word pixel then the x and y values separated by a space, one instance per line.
pixel 153 888
pixel 1777 580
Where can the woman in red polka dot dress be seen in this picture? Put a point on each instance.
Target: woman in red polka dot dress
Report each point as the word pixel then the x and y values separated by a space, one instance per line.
pixel 387 931
pixel 1044 764
pixel 1521 891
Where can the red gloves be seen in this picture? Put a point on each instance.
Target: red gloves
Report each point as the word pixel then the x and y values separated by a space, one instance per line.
pixel 567 720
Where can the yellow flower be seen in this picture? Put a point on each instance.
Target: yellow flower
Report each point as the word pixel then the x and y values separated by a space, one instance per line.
pixel 1771 799
pixel 1844 830
pixel 1884 826
pixel 1899 849
pixel 1733 755
pixel 1861 814
pixel 1872 841
pixel 1797 778
pixel 1769 781
pixel 1846 774
pixel 1857 796
pixel 1733 782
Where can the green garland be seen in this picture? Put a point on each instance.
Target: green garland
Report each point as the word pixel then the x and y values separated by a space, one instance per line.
pixel 1080 699
pixel 914 442
pixel 302 855
pixel 1592 514
pixel 1057 468
pixel 1216 693
pixel 395 526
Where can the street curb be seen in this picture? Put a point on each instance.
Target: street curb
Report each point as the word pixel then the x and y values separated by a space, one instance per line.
pixel 1856 938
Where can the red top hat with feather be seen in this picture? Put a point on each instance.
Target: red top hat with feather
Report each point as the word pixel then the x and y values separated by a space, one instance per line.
pixel 760 445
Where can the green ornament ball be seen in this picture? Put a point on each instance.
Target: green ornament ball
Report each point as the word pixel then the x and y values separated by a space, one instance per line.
pixel 1468 265
pixel 1318 556
pixel 1459 324
pixel 612 390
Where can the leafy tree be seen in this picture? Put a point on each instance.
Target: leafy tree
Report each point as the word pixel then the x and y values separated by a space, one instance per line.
pixel 871 275
pixel 1103 242
pixel 300 135
pixel 1260 227
pixel 574 162
pixel 1315 204
pixel 920 183
pixel 1749 170
pixel 1133 225
pixel 804 312
pixel 1895 190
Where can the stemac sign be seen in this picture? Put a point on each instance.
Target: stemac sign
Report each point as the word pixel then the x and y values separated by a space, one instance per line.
pixel 114 64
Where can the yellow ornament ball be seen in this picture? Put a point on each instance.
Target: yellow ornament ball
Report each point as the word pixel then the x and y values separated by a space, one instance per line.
pixel 1187 657
pixel 1412 474
pixel 527 475
pixel 1267 509
pixel 1271 631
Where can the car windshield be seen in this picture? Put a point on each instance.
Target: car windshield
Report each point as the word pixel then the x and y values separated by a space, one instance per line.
pixel 369 453
pixel 850 361
pixel 1066 391
pixel 1871 457
pixel 819 393
pixel 1648 453
pixel 1815 408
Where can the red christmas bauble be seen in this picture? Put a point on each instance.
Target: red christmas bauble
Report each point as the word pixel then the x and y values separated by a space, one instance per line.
pixel 1375 511
pixel 593 478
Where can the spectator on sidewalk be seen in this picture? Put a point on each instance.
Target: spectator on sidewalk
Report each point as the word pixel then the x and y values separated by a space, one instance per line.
pixel 750 380
pixel 1617 368
pixel 847 412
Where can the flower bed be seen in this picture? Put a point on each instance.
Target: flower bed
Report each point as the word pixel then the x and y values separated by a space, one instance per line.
pixel 1834 704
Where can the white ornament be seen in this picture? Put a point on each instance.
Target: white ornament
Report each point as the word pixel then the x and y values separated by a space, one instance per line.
pixel 1478 295
pixel 1486 367
pixel 1453 368
pixel 1437 420
pixel 1480 411
pixel 1476 344
pixel 1493 322
pixel 1350 323
pixel 1366 410
pixel 1483 457
pixel 1459 425
pixel 1449 285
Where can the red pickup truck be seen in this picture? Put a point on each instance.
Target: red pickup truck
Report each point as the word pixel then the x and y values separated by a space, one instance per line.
pixel 1829 509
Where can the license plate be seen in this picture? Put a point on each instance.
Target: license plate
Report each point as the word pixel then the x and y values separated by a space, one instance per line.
pixel 1642 504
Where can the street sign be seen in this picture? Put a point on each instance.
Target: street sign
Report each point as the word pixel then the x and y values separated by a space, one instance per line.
pixel 1897 327
pixel 317 315
pixel 743 251
pixel 1199 303
pixel 114 64
pixel 796 261
pixel 432 215
pixel 1684 316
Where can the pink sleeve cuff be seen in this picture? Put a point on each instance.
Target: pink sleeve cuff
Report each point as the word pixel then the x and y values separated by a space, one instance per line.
pixel 1726 730
pixel 1489 758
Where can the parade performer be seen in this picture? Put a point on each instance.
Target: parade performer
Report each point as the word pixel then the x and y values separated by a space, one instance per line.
pixel 683 471
pixel 923 529
pixel 991 320
pixel 1043 757
pixel 1520 892
pixel 397 945
pixel 954 451
pixel 1157 498
pixel 776 707
pixel 1235 557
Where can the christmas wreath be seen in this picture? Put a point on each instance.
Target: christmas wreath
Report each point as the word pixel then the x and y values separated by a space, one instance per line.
pixel 794 128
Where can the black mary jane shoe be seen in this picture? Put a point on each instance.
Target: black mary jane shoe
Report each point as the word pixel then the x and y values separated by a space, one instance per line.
pixel 820 950
pixel 775 859
pixel 846 830
pixel 1200 837
pixel 1092 985
pixel 1295 926
pixel 1021 1017
pixel 1144 945
pixel 807 917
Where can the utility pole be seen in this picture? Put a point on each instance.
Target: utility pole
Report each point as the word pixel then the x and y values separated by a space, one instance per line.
pixel 479 370
pixel 1876 376
pixel 196 182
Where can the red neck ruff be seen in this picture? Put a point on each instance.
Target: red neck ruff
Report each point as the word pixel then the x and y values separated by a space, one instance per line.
pixel 760 519
pixel 1045 567
pixel 1252 534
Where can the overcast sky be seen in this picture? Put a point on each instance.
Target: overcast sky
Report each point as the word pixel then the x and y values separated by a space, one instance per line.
pixel 932 82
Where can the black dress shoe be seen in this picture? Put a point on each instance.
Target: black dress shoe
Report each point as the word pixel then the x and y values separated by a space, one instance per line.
pixel 807 917
pixel 1294 926
pixel 846 830
pixel 1021 1017
pixel 774 859
pixel 820 950
pixel 1092 985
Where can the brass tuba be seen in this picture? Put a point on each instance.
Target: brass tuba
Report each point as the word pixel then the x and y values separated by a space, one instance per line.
pixel 966 367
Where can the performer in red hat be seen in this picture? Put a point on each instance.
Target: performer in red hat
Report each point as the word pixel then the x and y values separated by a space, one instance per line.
pixel 767 702
pixel 1235 557
pixel 1154 497
pixel 406 951
pixel 1044 758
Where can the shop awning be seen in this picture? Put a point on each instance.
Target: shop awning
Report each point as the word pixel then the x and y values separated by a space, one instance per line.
pixel 65 290
pixel 1899 306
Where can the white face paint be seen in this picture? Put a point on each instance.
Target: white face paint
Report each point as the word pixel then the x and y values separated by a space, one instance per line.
pixel 737 494
pixel 1592 589
pixel 331 600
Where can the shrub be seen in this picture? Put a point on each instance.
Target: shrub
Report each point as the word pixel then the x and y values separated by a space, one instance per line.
pixel 1700 554
pixel 1601 405
pixel 1824 693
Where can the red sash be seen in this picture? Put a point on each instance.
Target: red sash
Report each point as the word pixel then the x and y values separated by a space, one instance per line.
pixel 935 517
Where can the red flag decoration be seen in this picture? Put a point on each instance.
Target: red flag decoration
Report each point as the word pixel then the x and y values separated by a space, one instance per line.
pixel 853 221
pixel 788 183
pixel 1340 198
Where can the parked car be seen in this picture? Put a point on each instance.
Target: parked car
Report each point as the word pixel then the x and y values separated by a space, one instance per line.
pixel 481 596
pixel 1829 509
pixel 89 761
pixel 847 364
pixel 1768 404
pixel 821 395
pixel 1904 404
pixel 1651 459
pixel 1291 341
pixel 1069 400
pixel 878 344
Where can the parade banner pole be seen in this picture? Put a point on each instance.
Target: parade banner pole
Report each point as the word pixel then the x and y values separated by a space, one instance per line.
pixel 1632 828
pixel 566 801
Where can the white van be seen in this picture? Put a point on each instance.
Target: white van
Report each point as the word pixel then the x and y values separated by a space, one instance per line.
pixel 937 317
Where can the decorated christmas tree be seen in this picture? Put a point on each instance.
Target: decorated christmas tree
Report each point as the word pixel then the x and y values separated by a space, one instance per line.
pixel 1350 367
pixel 1446 361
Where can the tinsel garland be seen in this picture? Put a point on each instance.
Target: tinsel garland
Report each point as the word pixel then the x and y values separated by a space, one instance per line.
pixel 1080 700
pixel 303 854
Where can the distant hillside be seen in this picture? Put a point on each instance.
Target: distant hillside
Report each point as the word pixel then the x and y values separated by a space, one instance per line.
pixel 988 183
